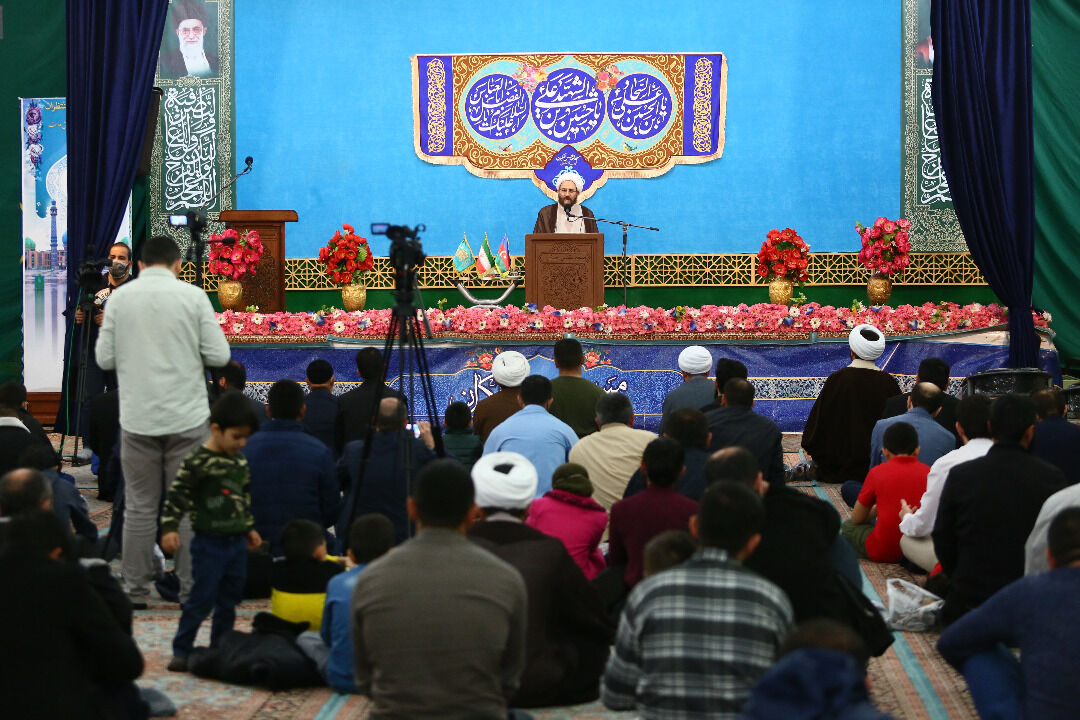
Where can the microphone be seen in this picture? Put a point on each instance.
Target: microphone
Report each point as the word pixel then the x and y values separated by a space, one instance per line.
pixel 248 160
pixel 567 209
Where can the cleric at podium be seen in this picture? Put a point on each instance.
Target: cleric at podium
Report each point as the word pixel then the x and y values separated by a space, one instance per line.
pixel 553 218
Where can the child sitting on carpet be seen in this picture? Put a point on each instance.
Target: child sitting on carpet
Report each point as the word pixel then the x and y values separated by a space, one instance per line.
pixel 370 536
pixel 213 485
pixel 887 485
pixel 298 580
pixel 459 438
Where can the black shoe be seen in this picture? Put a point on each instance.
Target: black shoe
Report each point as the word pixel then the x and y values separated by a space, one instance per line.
pixel 168 587
pixel 177 664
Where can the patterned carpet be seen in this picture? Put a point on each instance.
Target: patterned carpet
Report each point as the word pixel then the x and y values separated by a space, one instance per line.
pixel 910 681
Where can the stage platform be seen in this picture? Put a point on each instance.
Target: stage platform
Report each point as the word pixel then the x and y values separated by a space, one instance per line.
pixel 787 374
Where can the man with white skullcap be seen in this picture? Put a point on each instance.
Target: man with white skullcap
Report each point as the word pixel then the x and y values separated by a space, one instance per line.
pixel 567 215
pixel 696 390
pixel 837 433
pixel 509 368
pixel 569 632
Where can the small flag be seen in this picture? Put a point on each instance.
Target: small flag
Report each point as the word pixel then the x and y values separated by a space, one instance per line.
pixel 485 261
pixel 502 259
pixel 463 257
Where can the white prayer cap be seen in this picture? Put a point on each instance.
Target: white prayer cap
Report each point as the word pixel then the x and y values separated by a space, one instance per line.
pixel 510 368
pixel 504 480
pixel 571 175
pixel 695 360
pixel 864 348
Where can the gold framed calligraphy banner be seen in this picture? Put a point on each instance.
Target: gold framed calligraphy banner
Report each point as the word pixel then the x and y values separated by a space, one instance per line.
pixel 604 115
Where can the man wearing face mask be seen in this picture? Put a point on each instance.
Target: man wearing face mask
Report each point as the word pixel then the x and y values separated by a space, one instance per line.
pixel 98 381
pixel 567 215
pixel 190 21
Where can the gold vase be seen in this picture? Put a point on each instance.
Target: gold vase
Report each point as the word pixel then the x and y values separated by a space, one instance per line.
pixel 879 288
pixel 354 296
pixel 231 295
pixel 780 290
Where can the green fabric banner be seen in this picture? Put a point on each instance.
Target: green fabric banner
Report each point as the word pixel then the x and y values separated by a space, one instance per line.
pixel 1055 25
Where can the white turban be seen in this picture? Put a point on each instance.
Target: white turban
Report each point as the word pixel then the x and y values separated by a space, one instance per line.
pixel 510 368
pixel 863 348
pixel 695 360
pixel 572 175
pixel 504 480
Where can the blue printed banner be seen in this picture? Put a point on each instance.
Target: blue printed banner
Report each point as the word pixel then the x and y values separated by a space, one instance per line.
pixel 605 115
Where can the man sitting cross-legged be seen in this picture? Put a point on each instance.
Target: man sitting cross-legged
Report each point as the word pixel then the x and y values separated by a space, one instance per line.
pixel 613 454
pixel 439 623
pixel 320 404
pixel 902 476
pixel 1036 614
pixel 690 429
pixel 693 640
pixel 569 633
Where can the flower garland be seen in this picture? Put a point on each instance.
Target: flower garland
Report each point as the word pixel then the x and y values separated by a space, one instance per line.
pixel 759 319
pixel 885 246
pixel 347 257
pixel 233 260
pixel 783 255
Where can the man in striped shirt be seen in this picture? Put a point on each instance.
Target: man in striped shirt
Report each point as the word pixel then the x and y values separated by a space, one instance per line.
pixel 693 640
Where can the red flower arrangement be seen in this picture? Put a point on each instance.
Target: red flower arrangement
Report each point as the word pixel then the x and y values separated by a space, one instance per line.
pixel 885 246
pixel 783 255
pixel 236 259
pixel 348 258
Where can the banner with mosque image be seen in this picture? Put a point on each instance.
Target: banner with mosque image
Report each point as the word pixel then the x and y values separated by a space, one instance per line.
pixel 605 115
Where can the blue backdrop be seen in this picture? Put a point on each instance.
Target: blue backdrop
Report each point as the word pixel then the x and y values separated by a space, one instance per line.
pixel 323 98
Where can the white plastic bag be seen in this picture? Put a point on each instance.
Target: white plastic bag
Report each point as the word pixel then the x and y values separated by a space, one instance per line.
pixel 911 608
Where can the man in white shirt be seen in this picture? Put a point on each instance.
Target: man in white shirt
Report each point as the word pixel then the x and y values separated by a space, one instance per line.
pixel 159 334
pixel 612 455
pixel 1035 560
pixel 973 427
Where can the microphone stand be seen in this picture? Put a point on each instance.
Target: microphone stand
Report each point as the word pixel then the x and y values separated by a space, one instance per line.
pixel 197 223
pixel 624 225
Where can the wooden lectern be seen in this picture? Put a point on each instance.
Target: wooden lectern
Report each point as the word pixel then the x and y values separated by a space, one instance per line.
pixel 564 270
pixel 267 287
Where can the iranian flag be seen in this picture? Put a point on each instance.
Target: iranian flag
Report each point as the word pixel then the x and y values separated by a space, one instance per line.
pixel 485 261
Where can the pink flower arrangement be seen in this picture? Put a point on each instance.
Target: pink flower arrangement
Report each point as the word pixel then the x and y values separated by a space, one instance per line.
pixel 609 77
pixel 885 246
pixel 234 260
pixel 529 76
pixel 763 319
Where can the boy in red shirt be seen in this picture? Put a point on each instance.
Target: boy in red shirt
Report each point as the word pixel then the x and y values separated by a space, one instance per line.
pixel 902 477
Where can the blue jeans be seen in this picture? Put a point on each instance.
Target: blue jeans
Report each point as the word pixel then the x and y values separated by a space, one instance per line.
pixel 218 568
pixel 996 686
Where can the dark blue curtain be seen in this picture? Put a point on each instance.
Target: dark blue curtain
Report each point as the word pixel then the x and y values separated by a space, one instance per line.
pixel 112 52
pixel 982 100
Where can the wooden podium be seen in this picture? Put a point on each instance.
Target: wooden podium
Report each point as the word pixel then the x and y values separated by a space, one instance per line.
pixel 564 270
pixel 267 287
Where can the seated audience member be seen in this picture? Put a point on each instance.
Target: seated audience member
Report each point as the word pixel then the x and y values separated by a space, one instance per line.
pixel 356 407
pixel 534 432
pixel 103 438
pixel 292 473
pixel 383 487
pixel 13 396
pixel 837 433
pixel 690 429
pixel 67 503
pixel 233 376
pixel 1035 560
pixel 509 369
pixel 1056 439
pixel 726 369
pixel 300 578
pixel 84 664
pixel 569 634
pixel 973 429
pixel 696 390
pixel 693 640
pixel 1036 614
pixel 932 370
pixel 573 398
pixel 902 476
pixel 988 508
pixel 320 403
pixel 370 537
pixel 735 423
pixel 669 549
pixel 613 454
pixel 458 438
pixel 821 673
pixel 638 519
pixel 796 539
pixel 14 438
pixel 569 513
pixel 439 624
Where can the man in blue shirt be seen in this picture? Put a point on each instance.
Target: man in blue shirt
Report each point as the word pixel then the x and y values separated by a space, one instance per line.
pixel 534 432
pixel 320 404
pixel 924 404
